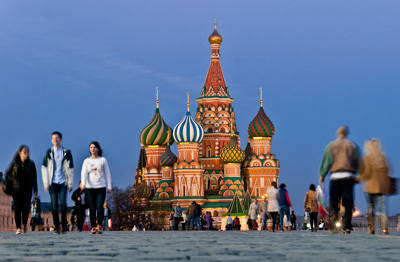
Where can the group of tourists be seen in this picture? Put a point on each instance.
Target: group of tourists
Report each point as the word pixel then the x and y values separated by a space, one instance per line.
pixel 58 176
pixel 193 218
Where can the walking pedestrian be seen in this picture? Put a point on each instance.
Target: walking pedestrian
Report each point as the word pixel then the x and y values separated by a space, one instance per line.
pixel 293 220
pixel 177 215
pixel 284 205
pixel 107 216
pixel 229 222
pixel 191 212
pixel 264 213
pixel 311 206
pixel 184 221
pixel 273 203
pixel 236 223
pixel 78 196
pixel 58 177
pixel 96 177
pixel 253 212
pixel 376 183
pixel 207 218
pixel 22 174
pixel 342 159
pixel 197 217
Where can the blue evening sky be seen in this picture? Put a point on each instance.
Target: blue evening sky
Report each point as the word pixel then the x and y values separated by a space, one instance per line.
pixel 89 69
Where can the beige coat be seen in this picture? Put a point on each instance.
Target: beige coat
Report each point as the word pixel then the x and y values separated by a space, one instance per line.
pixel 311 201
pixel 375 179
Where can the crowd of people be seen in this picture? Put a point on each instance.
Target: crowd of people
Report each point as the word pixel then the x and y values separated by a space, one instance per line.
pixel 342 159
pixel 58 176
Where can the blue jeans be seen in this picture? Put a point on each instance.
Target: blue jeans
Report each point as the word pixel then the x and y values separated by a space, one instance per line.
pixel 105 223
pixel 284 209
pixel 376 206
pixel 96 198
pixel 342 189
pixel 190 222
pixel 59 192
pixel 198 223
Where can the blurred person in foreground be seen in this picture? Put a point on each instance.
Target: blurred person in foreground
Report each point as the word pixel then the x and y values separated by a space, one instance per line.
pixel 376 183
pixel 22 173
pixel 342 159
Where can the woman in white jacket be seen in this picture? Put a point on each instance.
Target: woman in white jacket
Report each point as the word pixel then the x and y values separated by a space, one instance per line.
pixel 273 202
pixel 96 177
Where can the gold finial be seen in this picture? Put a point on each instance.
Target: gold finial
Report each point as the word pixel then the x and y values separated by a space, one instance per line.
pixel 215 20
pixel 261 100
pixel 188 104
pixel 157 96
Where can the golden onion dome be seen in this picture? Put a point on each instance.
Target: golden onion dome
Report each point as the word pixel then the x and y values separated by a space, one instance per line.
pixel 215 38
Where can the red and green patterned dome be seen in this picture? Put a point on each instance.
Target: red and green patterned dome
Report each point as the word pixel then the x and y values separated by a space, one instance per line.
pixel 232 153
pixel 261 125
pixel 156 132
pixel 168 158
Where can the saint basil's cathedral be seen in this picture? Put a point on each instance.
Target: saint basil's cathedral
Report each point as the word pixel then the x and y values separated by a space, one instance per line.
pixel 210 167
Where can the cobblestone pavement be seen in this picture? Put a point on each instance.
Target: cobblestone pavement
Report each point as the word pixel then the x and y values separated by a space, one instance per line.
pixel 200 246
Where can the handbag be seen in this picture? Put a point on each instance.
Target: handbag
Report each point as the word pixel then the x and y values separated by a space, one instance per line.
pixel 7 187
pixel 392 186
pixel 307 209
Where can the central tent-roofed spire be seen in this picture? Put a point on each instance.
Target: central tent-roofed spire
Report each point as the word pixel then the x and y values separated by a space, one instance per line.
pixel 215 85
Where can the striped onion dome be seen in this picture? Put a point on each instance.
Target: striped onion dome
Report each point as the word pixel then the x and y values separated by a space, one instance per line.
pixel 142 191
pixel 232 153
pixel 261 125
pixel 168 158
pixel 188 130
pixel 156 132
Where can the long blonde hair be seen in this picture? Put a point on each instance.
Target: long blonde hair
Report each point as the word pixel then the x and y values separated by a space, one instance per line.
pixel 373 151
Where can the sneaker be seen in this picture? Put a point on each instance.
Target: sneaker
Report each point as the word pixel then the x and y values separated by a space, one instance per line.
pixel 56 231
pixel 347 231
pixel 93 231
pixel 19 231
pixel 99 229
pixel 24 229
pixel 370 231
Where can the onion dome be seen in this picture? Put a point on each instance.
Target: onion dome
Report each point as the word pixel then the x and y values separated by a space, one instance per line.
pixel 168 158
pixel 232 153
pixel 188 130
pixel 261 125
pixel 156 132
pixel 248 150
pixel 215 37
pixel 142 191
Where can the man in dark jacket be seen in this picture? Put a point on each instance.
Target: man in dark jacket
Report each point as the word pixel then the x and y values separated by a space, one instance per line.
pixel 191 213
pixel 197 217
pixel 80 206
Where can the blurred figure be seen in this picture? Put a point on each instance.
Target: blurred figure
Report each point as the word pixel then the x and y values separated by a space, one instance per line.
pixel 311 202
pixel 36 218
pixel 293 220
pixel 107 216
pixel 191 213
pixel 229 222
pixel 236 223
pixel 264 213
pixel 22 174
pixel 273 203
pixel 78 196
pixel 207 218
pixel 284 205
pixel 253 212
pixel 177 215
pixel 184 219
pixel 376 183
pixel 199 212
pixel 341 158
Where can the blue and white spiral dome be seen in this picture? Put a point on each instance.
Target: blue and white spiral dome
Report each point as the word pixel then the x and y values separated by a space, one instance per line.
pixel 188 131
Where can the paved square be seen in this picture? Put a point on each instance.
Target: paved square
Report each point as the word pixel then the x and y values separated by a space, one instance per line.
pixel 199 246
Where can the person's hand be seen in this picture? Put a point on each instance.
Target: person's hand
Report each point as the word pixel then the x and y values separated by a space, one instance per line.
pixel 46 189
pixel 83 188
pixel 79 199
pixel 70 188
pixel 109 190
pixel 35 194
pixel 321 179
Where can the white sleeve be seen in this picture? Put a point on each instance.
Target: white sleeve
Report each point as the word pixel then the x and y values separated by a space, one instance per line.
pixel 107 173
pixel 84 174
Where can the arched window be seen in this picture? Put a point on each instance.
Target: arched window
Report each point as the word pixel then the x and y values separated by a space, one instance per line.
pixel 222 130
pixel 208 153
pixel 210 130
pixel 206 185
pixel 214 181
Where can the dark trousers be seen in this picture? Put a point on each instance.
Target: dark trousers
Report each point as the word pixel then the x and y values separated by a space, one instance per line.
pixel 96 198
pixel 59 192
pixel 22 202
pixel 177 221
pixel 190 222
pixel 80 217
pixel 342 189
pixel 314 220
pixel 273 215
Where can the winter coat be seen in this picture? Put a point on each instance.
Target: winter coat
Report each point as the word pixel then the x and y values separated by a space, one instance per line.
pixel 375 179
pixel 273 199
pixel 264 210
pixel 311 201
pixel 253 210
pixel 23 176
pixel 191 210
pixel 48 168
